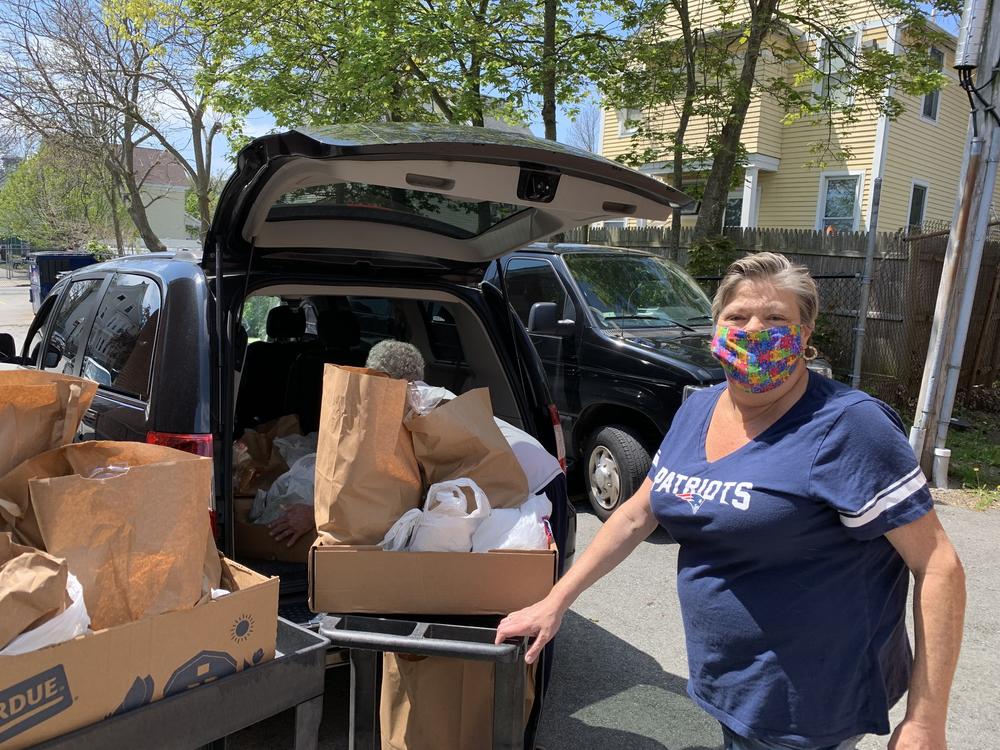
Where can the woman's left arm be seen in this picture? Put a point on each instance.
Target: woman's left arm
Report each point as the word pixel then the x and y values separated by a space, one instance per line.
pixel 938 616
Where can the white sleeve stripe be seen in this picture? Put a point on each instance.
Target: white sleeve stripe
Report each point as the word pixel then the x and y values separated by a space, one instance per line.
pixel 895 497
pixel 888 490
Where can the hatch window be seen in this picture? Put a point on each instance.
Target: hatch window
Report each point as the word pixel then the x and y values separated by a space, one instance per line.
pixel 449 215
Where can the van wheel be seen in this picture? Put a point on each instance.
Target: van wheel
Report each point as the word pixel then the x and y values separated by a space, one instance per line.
pixel 616 465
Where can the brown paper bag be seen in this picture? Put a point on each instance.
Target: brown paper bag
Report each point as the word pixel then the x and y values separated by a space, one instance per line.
pixel 256 463
pixel 138 540
pixel 439 703
pixel 32 588
pixel 461 439
pixel 39 411
pixel 366 473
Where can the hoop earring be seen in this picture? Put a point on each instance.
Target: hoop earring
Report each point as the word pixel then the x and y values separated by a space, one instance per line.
pixel 810 353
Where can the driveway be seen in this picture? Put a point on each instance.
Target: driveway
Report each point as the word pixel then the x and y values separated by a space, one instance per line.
pixel 621 668
pixel 15 306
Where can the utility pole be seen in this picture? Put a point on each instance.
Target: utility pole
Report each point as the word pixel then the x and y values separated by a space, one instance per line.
pixel 979 51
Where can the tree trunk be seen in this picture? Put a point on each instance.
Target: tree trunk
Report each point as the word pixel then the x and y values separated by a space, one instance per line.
pixel 549 68
pixel 713 204
pixel 135 205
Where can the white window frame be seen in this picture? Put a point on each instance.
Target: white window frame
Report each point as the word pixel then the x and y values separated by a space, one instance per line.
pixel 859 193
pixel 923 100
pixel 858 34
pixel 734 194
pixel 909 205
pixel 623 117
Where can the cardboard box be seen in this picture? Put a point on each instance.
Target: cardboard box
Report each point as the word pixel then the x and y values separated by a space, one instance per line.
pixel 253 541
pixel 349 579
pixel 55 690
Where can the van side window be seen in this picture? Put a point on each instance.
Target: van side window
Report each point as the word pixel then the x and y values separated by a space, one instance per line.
pixel 70 321
pixel 530 281
pixel 119 353
pixel 442 333
pixel 378 319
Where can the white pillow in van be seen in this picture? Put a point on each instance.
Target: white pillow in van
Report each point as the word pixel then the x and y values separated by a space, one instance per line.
pixel 540 466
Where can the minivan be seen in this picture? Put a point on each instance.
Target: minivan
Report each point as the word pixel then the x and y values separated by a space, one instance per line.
pixel 333 240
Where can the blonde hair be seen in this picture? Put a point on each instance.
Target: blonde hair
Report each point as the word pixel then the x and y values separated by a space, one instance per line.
pixel 775 269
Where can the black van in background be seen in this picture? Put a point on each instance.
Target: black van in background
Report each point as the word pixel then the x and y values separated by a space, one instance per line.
pixel 620 334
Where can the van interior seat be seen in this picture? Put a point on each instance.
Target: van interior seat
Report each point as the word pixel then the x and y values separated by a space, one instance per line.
pixel 340 344
pixel 266 365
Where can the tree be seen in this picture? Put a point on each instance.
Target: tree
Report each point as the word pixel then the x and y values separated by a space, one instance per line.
pixel 585 128
pixel 56 199
pixel 811 73
pixel 315 62
pixel 105 79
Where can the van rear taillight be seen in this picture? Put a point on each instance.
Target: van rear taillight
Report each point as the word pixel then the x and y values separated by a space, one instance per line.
pixel 560 441
pixel 199 444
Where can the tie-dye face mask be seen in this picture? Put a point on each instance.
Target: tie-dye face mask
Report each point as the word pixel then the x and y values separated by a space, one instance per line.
pixel 758 361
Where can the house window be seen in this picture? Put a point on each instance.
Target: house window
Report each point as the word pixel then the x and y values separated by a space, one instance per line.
pixel 836 57
pixel 918 203
pixel 839 203
pixel 734 210
pixel 627 119
pixel 932 100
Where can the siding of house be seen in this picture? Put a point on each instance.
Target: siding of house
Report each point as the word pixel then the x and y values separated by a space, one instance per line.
pixel 925 151
pixel 790 197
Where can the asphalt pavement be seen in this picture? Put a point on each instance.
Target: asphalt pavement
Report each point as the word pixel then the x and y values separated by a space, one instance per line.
pixel 15 306
pixel 619 681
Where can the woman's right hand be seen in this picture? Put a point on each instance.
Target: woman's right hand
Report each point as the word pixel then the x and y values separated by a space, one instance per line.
pixel 541 621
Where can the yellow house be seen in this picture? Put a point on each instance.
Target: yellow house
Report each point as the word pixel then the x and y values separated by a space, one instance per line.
pixel 918 155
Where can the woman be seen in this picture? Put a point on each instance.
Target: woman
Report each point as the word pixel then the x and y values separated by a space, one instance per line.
pixel 798 507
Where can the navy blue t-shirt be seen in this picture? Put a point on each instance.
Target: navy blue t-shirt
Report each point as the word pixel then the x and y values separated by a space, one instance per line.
pixel 792 598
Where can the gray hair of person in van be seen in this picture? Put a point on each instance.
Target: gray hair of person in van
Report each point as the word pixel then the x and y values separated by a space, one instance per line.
pixel 774 269
pixel 397 359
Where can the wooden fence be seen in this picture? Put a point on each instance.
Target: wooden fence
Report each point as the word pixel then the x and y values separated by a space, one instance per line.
pixel 903 294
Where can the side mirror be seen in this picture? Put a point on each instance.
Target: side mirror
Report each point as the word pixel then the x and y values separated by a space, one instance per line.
pixel 544 318
pixel 8 349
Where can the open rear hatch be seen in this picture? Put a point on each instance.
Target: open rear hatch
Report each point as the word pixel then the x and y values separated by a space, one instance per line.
pixel 416 195
pixel 420 199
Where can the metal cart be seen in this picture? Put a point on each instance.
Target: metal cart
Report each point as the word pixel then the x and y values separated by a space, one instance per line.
pixel 369 637
pixel 205 715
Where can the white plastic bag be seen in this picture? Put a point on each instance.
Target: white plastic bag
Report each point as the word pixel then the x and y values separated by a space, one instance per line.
pixel 515 528
pixel 422 398
pixel 293 447
pixel 446 524
pixel 68 624
pixel 297 485
pixel 398 537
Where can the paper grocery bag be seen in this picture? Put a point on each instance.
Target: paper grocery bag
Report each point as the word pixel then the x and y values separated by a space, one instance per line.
pixel 39 411
pixel 366 473
pixel 461 439
pixel 32 588
pixel 130 519
pixel 440 703
pixel 256 463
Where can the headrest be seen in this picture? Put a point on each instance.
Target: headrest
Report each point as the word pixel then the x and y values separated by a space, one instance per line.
pixel 285 323
pixel 338 329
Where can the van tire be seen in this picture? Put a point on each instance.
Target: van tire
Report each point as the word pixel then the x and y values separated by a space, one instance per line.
pixel 614 466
